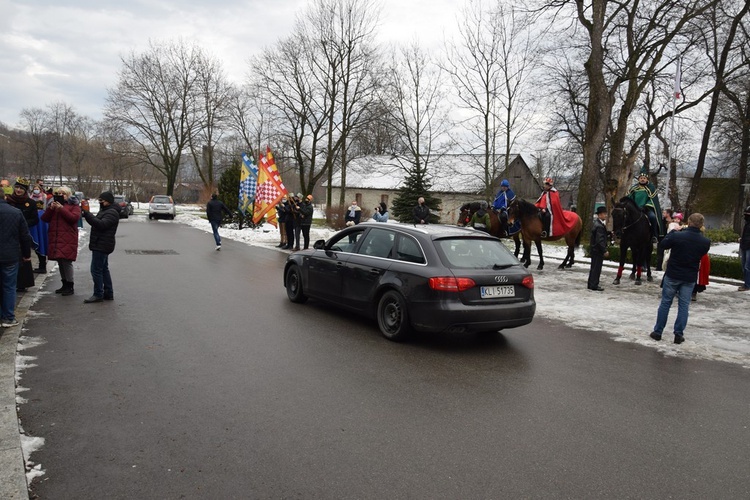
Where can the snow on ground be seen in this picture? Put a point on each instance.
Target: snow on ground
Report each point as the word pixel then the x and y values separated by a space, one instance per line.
pixel 717 325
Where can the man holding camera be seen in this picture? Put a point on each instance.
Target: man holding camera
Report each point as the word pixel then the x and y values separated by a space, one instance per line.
pixel 102 243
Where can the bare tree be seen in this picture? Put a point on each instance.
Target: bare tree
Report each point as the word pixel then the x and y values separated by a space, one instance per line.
pixel 320 81
pixel 36 142
pixel 724 21
pixel 153 101
pixel 415 101
pixel 209 118
pixel 491 67
pixel 625 50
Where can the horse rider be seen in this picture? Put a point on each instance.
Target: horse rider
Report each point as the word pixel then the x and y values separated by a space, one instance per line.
pixel 549 207
pixel 502 201
pixel 644 194
pixel 481 219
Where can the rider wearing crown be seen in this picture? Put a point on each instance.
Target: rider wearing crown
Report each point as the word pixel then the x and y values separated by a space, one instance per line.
pixel 556 221
pixel 643 193
pixel 502 201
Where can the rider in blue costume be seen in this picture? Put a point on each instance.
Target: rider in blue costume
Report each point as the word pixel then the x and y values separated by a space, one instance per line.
pixel 503 199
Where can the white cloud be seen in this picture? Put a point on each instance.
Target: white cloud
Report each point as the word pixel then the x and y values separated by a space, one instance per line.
pixel 70 51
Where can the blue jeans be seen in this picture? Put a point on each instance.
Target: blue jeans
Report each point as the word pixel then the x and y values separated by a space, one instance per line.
pixel 215 228
pixel 100 274
pixel 683 290
pixel 8 276
pixel 745 259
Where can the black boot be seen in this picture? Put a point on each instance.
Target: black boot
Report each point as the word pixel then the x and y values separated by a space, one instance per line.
pixel 69 289
pixel 63 287
pixel 42 269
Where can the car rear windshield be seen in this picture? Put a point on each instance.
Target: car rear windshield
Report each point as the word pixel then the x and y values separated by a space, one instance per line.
pixel 475 253
pixel 119 199
pixel 161 199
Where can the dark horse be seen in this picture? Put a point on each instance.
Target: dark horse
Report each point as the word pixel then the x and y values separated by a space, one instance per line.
pixel 630 225
pixel 468 209
pixel 531 230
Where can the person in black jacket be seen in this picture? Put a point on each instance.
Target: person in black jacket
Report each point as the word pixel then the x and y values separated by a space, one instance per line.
pixel 215 209
pixel 598 249
pixel 102 243
pixel 745 251
pixel 305 221
pixel 421 212
pixel 687 246
pixel 15 240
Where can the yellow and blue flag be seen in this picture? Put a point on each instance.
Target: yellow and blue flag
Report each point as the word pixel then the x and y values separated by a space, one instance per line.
pixel 248 183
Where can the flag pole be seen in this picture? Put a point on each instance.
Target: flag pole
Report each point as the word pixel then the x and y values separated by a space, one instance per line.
pixel 676 95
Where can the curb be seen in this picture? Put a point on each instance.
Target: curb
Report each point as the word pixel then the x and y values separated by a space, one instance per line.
pixel 13 485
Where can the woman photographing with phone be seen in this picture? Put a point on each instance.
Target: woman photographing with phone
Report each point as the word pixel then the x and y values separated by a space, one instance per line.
pixel 62 215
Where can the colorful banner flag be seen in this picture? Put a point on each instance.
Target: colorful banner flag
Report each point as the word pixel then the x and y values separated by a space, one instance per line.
pixel 248 183
pixel 677 79
pixel 270 190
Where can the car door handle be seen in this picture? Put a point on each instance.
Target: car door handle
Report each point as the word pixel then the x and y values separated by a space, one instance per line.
pixel 375 270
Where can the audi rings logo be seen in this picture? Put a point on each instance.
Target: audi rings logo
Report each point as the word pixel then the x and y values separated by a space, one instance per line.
pixel 501 279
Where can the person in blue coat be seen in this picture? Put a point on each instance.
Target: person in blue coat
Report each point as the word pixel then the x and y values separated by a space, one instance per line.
pixel 381 213
pixel 687 247
pixel 502 201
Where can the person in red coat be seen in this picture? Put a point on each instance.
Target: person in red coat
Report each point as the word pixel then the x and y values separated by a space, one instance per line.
pixel 556 221
pixel 62 215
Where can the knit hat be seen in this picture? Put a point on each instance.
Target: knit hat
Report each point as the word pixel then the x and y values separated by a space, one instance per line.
pixel 108 197
pixel 601 210
pixel 678 215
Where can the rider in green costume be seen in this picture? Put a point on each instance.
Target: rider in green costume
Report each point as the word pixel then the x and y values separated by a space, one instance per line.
pixel 645 196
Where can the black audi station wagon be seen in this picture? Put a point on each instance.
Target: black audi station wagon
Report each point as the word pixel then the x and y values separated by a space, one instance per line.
pixel 429 278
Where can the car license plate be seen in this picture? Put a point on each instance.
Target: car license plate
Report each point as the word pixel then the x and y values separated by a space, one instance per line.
pixel 496 292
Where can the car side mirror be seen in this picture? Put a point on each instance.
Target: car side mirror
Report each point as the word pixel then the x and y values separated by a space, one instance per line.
pixel 319 245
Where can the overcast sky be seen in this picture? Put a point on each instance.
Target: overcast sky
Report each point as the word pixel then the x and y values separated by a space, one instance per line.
pixel 69 50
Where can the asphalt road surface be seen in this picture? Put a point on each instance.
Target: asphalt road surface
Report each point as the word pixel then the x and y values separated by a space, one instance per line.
pixel 201 380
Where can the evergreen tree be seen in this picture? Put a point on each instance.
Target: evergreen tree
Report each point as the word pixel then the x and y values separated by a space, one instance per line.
pixel 415 185
pixel 229 186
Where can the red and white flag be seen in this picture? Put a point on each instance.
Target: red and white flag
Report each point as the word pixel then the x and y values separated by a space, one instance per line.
pixel 677 78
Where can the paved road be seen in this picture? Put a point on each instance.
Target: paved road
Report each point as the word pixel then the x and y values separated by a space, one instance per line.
pixel 202 381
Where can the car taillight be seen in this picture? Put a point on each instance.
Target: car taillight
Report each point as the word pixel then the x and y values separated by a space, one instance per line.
pixel 528 281
pixel 451 284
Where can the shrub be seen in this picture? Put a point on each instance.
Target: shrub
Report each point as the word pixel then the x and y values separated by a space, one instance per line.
pixel 724 266
pixel 722 235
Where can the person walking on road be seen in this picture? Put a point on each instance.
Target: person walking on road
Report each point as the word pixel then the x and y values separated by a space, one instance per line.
pixel 15 241
pixel 102 243
pixel 62 215
pixel 745 251
pixel 687 247
pixel 215 209
pixel 598 249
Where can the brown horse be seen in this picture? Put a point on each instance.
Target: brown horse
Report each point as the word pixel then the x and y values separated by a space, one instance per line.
pixel 468 209
pixel 531 230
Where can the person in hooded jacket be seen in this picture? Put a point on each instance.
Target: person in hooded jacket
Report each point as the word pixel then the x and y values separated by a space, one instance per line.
pixel 21 200
pixel 62 215
pixel 102 243
pixel 215 209
pixel 381 213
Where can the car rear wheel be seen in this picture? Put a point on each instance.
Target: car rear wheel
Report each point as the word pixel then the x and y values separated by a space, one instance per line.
pixel 294 285
pixel 393 318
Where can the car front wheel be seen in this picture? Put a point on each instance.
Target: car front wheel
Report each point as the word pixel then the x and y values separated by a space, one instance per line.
pixel 393 318
pixel 294 285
